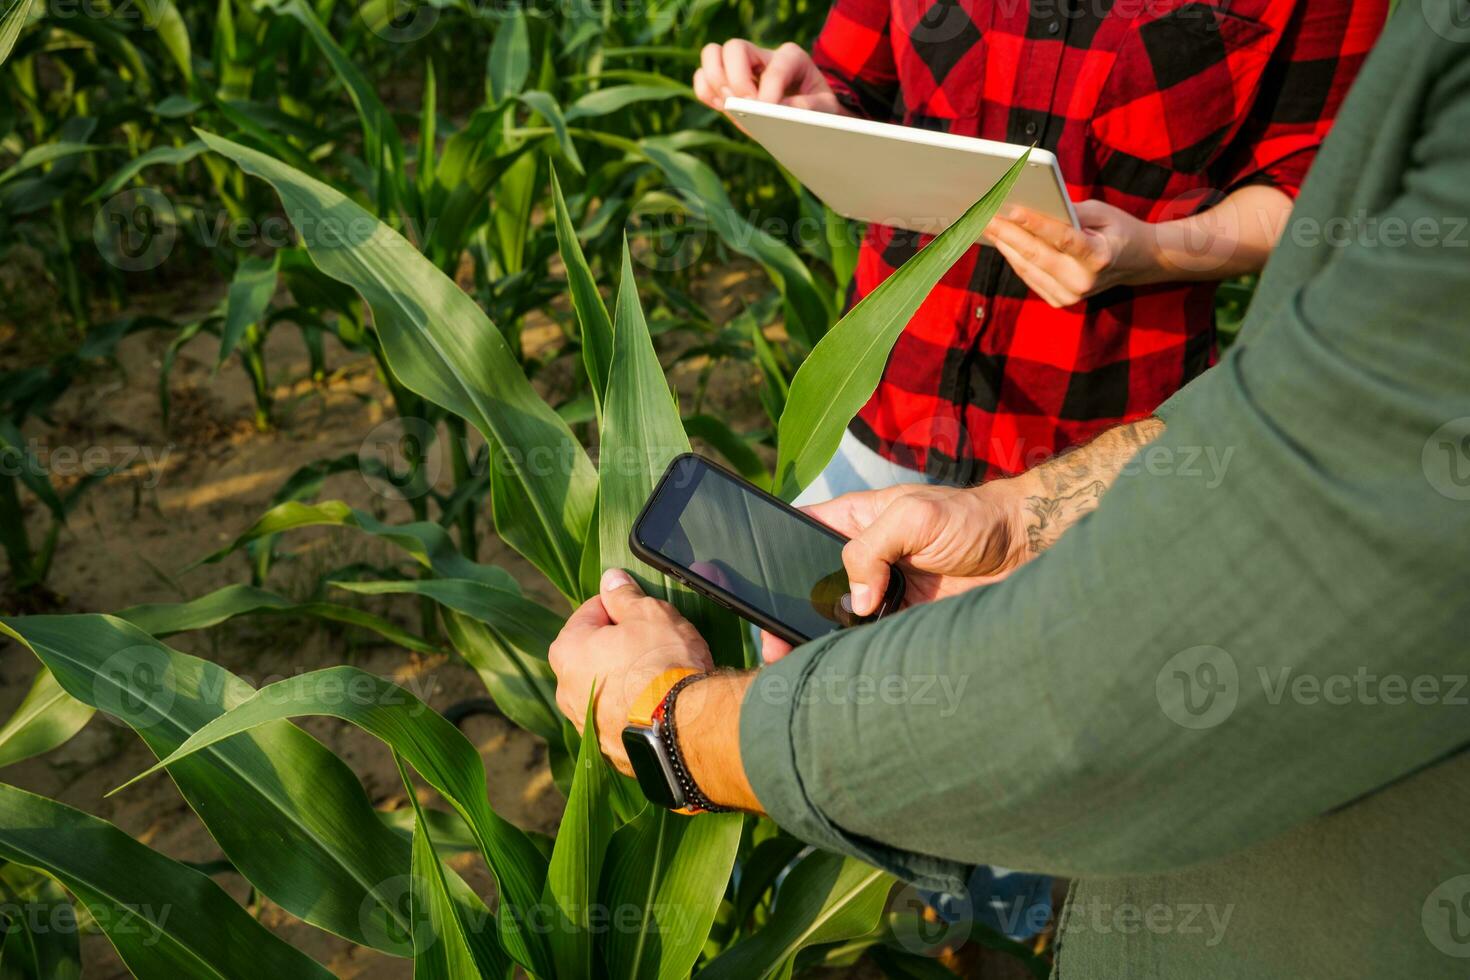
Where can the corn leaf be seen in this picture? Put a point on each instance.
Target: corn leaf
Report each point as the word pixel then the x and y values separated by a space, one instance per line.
pixel 444 943
pixel 503 636
pixel 161 619
pixel 163 918
pixel 509 62
pixel 14 17
pixel 46 718
pixel 326 852
pixel 669 871
pixel 439 344
pixel 840 374
pixel 576 860
pixel 825 898
pixel 593 325
pixel 247 301
pixel 427 741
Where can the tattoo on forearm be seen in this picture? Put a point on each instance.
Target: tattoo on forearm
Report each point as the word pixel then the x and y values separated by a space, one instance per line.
pixel 1052 515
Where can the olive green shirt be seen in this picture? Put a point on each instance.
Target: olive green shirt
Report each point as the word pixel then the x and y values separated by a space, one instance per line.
pixel 1230 703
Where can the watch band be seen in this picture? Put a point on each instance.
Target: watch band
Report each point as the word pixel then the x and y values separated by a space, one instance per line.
pixel 647 703
pixel 694 797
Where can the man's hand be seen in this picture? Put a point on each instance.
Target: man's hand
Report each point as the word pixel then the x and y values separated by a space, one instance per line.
pixel 619 641
pixel 785 76
pixel 947 541
pixel 1063 265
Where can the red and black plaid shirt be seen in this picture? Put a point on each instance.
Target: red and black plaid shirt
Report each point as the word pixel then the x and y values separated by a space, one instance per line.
pixel 1158 107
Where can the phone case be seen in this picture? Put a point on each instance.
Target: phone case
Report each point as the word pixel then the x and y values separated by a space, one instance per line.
pixel 892 598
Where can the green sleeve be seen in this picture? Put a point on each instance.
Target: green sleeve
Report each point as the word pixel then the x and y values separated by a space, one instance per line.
pixel 1142 696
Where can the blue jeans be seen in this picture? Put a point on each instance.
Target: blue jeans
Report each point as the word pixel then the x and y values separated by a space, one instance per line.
pixel 1012 903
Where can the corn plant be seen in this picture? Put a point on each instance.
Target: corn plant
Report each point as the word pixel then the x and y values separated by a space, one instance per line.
pixel 292 819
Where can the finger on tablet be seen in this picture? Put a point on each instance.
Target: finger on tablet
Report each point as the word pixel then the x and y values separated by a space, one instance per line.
pixel 704 92
pixel 1058 234
pixel 782 72
pixel 1040 282
pixel 741 63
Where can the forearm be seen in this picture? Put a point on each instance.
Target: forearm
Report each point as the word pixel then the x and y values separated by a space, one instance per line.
pixel 1049 498
pixel 1233 238
pixel 707 719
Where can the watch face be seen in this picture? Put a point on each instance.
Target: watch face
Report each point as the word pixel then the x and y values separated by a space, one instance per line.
pixel 652 768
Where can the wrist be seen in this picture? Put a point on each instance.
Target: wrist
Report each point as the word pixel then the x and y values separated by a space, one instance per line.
pixel 706 717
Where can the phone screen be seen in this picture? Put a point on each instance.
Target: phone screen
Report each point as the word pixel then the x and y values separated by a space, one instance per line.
pixel 717 528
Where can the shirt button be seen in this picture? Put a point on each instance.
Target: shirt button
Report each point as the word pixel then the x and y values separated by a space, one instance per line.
pixel 1053 27
pixel 1031 128
pixel 979 311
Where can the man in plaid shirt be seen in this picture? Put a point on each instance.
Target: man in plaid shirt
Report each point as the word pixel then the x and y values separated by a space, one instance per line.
pixel 1183 128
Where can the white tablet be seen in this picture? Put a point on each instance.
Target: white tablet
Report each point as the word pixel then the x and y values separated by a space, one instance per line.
pixel 897 175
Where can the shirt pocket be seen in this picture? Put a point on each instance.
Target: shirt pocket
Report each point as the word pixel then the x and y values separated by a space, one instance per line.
pixel 1181 85
pixel 940 58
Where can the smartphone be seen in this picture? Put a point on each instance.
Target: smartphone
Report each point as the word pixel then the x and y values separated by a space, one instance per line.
pixel 729 540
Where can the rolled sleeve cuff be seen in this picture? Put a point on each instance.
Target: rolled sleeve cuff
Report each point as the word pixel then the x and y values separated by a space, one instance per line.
pixel 769 748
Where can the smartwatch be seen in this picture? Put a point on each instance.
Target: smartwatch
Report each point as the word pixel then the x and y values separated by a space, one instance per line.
pixel 653 748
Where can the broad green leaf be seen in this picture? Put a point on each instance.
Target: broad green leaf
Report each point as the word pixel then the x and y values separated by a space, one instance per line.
pixel 437 750
pixel 43 940
pixel 807 303
pixel 39 156
pixel 439 344
pixel 424 541
pixel 509 62
pixel 840 374
pixel 166 618
pixel 12 19
pixel 46 718
pixel 641 434
pixel 593 326
pixel 164 919
pixel 544 104
pixel 571 894
pixel 247 301
pixel 825 898
pixel 665 878
pixel 442 944
pixel 287 812
pixel 611 99
pixel 174 155
pixel 163 17
pixel 382 145
pixel 503 636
